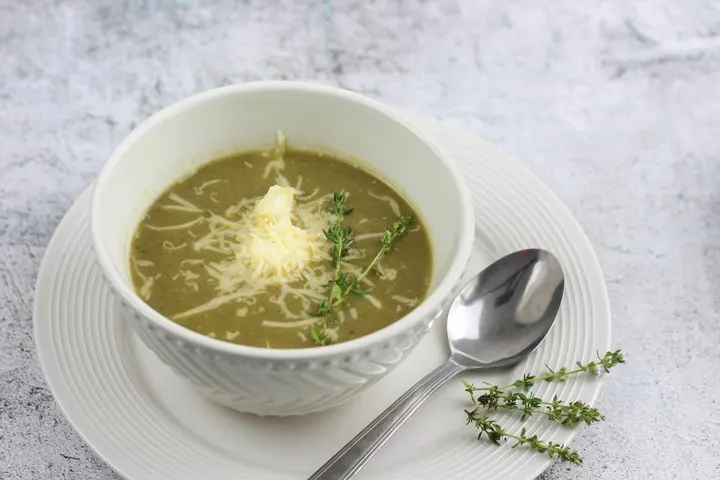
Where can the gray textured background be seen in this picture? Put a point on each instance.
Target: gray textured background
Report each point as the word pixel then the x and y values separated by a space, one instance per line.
pixel 615 104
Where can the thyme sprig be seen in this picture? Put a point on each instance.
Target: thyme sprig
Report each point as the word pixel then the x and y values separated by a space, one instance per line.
pixel 492 397
pixel 338 205
pixel 341 237
pixel 343 285
pixel 399 228
pixel 567 414
pixel 496 433
pixel 604 363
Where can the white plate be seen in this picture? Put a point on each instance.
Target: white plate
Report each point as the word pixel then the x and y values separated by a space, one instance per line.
pixel 146 423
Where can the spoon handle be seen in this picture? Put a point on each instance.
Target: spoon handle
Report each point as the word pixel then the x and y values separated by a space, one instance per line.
pixel 345 464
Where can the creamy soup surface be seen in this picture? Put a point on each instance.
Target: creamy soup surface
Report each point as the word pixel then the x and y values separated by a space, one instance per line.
pixel 246 250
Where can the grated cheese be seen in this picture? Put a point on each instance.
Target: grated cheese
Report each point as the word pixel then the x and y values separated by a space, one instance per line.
pixel 266 248
pixel 180 204
pixel 389 200
pixel 389 274
pixel 192 261
pixel 176 227
pixel 169 246
pixel 298 323
pixel 410 302
pixel 146 289
pixel 374 301
pixel 366 236
pixel 278 163
pixel 275 247
pixel 308 197
pixel 199 190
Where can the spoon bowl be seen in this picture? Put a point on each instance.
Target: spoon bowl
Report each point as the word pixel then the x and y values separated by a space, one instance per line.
pixel 496 320
pixel 503 313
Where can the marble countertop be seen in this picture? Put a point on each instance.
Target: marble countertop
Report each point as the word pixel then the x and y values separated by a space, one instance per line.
pixel 614 104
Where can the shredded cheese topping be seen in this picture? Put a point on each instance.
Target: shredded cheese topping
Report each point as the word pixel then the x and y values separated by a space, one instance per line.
pixel 269 241
pixel 273 241
pixel 274 247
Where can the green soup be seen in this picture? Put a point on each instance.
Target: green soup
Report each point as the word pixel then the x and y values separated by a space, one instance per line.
pixel 224 254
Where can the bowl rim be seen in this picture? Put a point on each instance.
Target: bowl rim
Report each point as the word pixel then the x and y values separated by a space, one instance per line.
pixel 428 307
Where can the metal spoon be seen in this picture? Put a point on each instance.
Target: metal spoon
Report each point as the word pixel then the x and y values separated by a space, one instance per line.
pixel 497 319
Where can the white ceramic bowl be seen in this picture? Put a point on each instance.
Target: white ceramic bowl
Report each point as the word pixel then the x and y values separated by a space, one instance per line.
pixel 175 141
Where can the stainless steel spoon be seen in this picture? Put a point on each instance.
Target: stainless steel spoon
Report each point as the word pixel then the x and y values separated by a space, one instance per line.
pixel 497 319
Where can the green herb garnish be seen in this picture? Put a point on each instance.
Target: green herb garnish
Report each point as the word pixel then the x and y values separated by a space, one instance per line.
pixel 343 285
pixel 495 433
pixel 338 205
pixel 341 238
pixel 492 397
